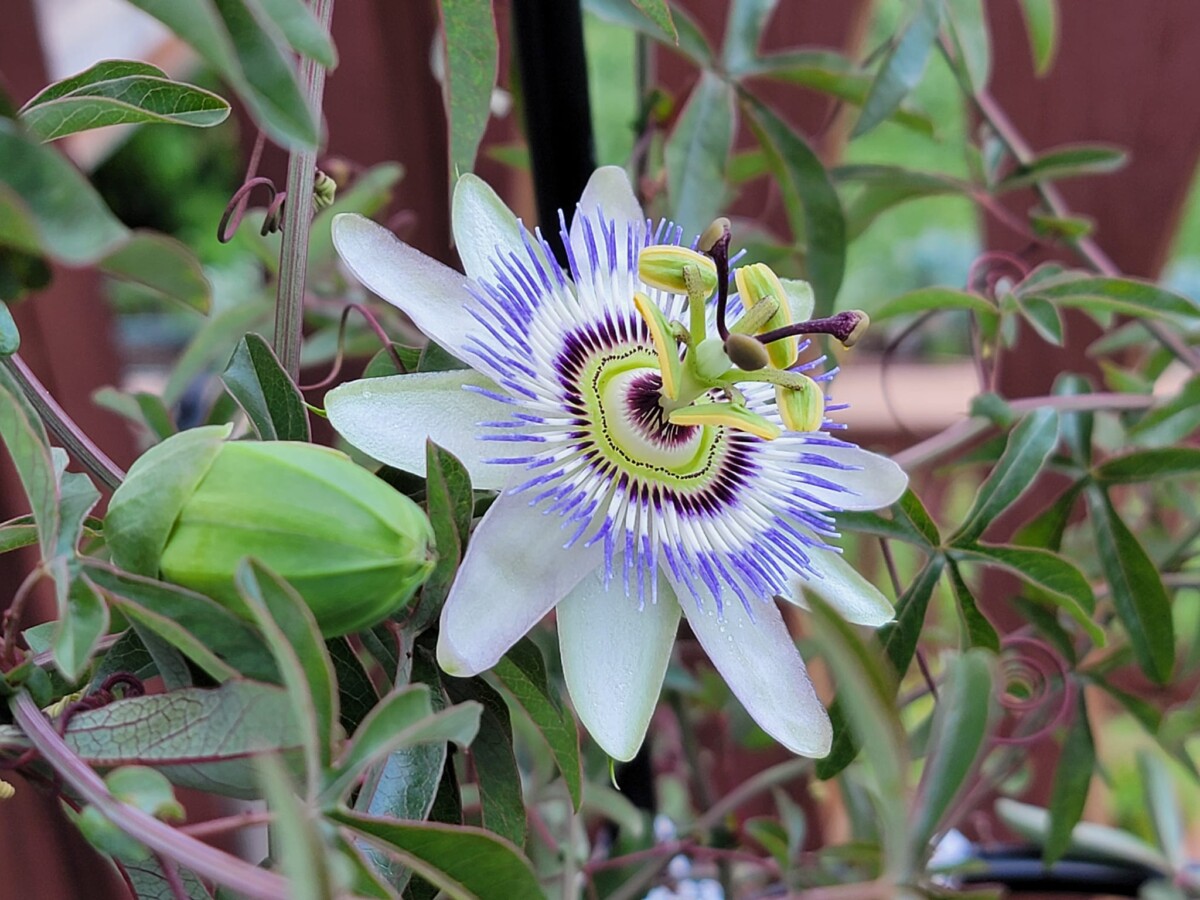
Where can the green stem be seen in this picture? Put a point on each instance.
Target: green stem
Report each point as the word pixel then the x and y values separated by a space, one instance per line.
pixel 62 426
pixel 297 217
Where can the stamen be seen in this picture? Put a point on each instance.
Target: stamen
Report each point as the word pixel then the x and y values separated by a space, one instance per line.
pixel 846 326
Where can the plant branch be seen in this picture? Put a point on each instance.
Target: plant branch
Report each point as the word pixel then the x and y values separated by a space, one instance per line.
pixel 206 861
pixel 967 430
pixel 297 217
pixel 62 426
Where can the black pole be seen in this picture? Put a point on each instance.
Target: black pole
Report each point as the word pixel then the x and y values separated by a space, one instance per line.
pixel 558 118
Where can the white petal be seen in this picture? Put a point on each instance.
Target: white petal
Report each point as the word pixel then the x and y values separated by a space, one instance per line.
pixel 609 191
pixel 389 419
pixel 434 296
pixel 485 230
pixel 760 663
pixel 873 482
pixel 615 657
pixel 514 572
pixel 838 583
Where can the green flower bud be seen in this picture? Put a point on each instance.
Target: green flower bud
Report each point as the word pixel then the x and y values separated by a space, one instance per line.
pixel 667 267
pixel 196 505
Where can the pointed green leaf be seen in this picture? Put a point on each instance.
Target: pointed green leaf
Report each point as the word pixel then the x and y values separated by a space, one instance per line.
pixel 1043 317
pixel 1041 22
pixel 1029 446
pixel 743 32
pixel 968 28
pixel 291 631
pixel 687 36
pixel 131 99
pixel 696 154
pixel 1065 162
pixel 263 389
pixel 163 266
pixel 1071 781
pixel 934 298
pixel 80 626
pixel 1162 802
pixel 356 692
pixel 1100 294
pixel 1063 583
pixel 10 337
pixel 898 640
pixel 522 671
pixel 450 503
pixel 902 66
pixel 500 798
pixel 460 860
pixel 1149 465
pixel 25 439
pixel 206 632
pixel 300 29
pixel 813 207
pixel 1141 600
pixel 471 55
pixel 295 838
pixel 976 629
pixel 962 723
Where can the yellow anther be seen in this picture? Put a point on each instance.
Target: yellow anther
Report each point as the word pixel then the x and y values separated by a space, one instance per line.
pixel 756 282
pixel 728 415
pixel 801 403
pixel 713 233
pixel 678 270
pixel 665 348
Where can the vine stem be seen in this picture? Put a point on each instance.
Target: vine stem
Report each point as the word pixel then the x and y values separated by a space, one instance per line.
pixel 959 433
pixel 62 426
pixel 205 861
pixel 297 216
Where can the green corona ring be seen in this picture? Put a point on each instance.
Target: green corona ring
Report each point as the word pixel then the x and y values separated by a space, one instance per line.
pixel 658 431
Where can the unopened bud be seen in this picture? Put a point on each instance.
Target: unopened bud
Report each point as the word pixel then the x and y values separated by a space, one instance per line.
pixel 324 191
pixel 192 508
pixel 677 270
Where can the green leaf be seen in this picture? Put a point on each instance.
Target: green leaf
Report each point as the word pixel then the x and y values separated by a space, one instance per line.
pixel 10 337
pixel 1141 600
pixel 978 631
pixel 962 723
pixel 1043 317
pixel 206 632
pixel 47 201
pixel 1087 839
pixel 1077 425
pixel 294 836
pixel 1149 465
pixel 696 154
pixel 265 392
pixel 291 631
pixel 934 298
pixel 902 66
pixel 1162 802
pixel 150 883
pixel 81 624
pixel 471 56
pixel 105 70
pixel 659 12
pixel 500 798
pixel 194 736
pixel 522 671
pixel 1071 781
pixel 1073 161
pixel 1064 585
pixel 227 35
pixel 404 718
pixel 866 692
pixel 25 439
pixel 1174 420
pixel 1096 293
pixel 356 692
pixel 1041 22
pixel 884 187
pixel 1029 446
pixel 145 789
pixel 121 100
pixel 898 640
pixel 743 32
pixel 812 204
pixel 300 29
pixel 833 74
pixel 973 44
pixel 460 860
pixel 163 266
pixel 687 37
pixel 450 503
pixel 17 533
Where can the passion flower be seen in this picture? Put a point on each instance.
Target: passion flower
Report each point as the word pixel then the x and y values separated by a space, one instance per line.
pixel 196 505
